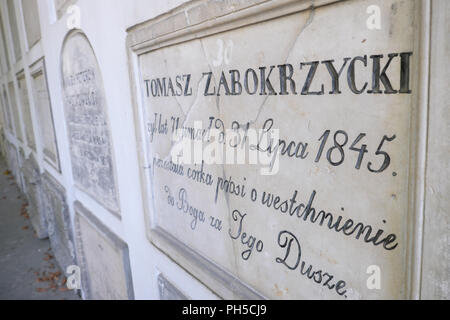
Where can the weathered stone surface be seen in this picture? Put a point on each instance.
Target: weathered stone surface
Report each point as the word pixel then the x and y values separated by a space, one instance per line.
pixel 44 114
pixel 59 226
pixel 26 112
pixel 167 291
pixel 87 122
pixel 33 187
pixel 330 188
pixel 31 20
pixel 103 259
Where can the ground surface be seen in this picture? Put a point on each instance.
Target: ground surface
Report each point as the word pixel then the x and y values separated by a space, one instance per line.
pixel 28 269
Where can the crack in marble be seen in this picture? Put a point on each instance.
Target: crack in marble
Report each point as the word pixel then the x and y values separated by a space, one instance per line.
pixel 300 32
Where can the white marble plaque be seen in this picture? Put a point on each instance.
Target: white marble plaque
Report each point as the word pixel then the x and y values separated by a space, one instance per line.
pixel 26 112
pixel 87 122
pixel 54 204
pixel 44 114
pixel 103 259
pixel 15 111
pixel 311 110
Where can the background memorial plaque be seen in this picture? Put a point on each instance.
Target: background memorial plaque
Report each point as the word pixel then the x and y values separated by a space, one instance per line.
pixel 26 112
pixel 15 111
pixel 7 110
pixel 31 20
pixel 44 113
pixel 33 185
pixel 54 205
pixel 335 209
pixel 103 259
pixel 87 121
pixel 14 29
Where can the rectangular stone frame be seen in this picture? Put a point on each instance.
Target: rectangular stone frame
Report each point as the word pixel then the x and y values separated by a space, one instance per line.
pixel 36 69
pixel 201 18
pixel 80 209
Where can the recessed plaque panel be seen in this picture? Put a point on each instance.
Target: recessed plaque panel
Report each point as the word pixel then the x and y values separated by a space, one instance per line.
pixel 26 112
pixel 15 111
pixel 87 121
pixel 44 114
pixel 103 259
pixel 276 148
pixel 5 63
pixel 31 19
